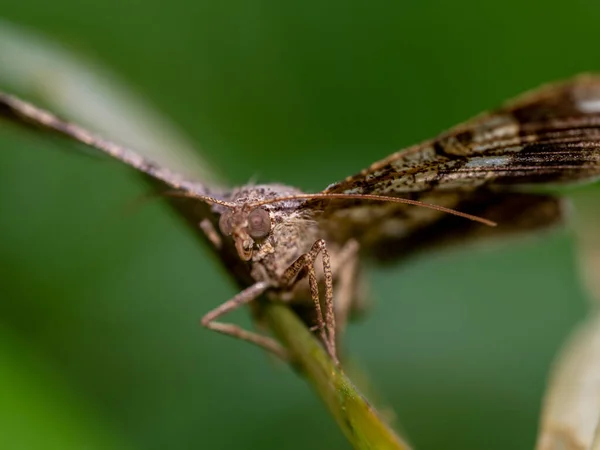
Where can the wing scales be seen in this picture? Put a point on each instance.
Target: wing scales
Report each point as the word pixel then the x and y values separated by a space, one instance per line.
pixel 548 136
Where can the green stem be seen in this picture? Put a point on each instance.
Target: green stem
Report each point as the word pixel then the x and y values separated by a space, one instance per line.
pixel 359 421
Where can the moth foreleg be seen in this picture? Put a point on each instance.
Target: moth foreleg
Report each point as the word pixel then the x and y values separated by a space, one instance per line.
pixel 325 323
pixel 242 298
pixel 346 272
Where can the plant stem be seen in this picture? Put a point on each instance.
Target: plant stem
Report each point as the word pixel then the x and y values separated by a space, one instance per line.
pixel 362 425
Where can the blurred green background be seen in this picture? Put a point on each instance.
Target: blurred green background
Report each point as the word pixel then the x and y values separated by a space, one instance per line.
pixel 99 339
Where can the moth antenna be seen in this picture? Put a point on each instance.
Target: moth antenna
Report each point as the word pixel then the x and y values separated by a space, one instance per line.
pixel 379 198
pixel 203 198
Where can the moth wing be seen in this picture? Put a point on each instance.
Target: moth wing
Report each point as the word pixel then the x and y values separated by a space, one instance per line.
pixel 161 178
pixel 485 167
pixel 25 114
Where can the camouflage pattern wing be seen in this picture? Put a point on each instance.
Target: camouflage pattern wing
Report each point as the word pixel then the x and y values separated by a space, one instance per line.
pixel 548 136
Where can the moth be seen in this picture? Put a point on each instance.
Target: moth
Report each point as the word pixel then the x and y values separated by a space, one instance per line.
pixel 271 236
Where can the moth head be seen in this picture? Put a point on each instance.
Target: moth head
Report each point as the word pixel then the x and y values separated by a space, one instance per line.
pixel 246 225
pixel 251 222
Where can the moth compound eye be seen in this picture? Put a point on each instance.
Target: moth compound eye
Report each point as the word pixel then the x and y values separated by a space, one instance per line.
pixel 225 223
pixel 259 223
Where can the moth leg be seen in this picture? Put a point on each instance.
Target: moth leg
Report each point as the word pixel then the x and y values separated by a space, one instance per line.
pixel 242 298
pixel 210 232
pixel 325 323
pixel 346 284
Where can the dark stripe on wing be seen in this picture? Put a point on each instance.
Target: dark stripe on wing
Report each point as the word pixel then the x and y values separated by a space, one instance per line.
pixel 517 214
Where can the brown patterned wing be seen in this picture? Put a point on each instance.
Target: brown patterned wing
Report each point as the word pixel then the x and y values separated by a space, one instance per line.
pixel 161 178
pixel 22 113
pixel 482 167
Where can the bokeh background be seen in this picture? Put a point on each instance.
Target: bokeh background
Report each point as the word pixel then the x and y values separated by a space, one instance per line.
pixel 100 346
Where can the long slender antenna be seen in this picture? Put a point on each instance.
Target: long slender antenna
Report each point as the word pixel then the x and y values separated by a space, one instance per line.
pixel 148 197
pixel 203 198
pixel 379 198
